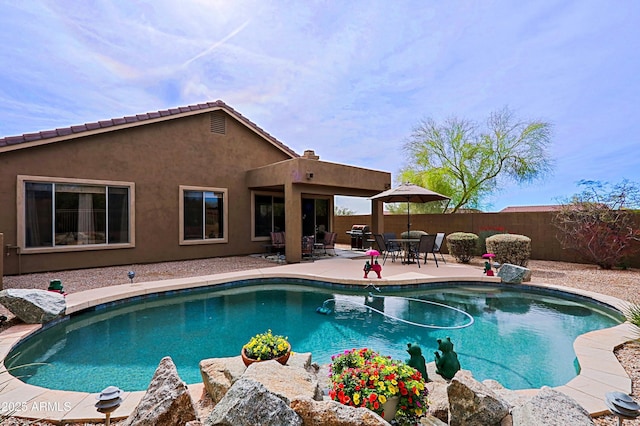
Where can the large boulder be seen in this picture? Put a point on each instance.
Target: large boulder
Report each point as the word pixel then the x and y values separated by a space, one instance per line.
pixel 33 306
pixel 249 403
pixel 219 374
pixel 513 274
pixel 286 381
pixel 332 413
pixel 552 408
pixel 167 401
pixel 473 404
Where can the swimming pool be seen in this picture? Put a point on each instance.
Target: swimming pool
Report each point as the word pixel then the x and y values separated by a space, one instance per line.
pixel 521 338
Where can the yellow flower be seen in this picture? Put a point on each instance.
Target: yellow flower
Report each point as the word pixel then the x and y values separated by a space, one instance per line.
pixel 356 398
pixel 382 399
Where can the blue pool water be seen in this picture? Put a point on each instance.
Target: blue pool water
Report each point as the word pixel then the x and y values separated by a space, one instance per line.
pixel 523 339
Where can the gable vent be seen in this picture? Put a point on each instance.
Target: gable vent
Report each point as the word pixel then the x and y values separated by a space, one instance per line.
pixel 218 123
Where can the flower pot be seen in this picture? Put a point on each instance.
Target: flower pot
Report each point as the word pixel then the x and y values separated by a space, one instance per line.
pixel 390 407
pixel 281 359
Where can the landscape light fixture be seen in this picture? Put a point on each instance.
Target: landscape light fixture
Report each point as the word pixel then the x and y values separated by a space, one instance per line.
pixel 108 401
pixel 131 275
pixel 622 406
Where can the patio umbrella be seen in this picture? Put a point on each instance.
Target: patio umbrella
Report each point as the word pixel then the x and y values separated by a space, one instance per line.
pixel 409 193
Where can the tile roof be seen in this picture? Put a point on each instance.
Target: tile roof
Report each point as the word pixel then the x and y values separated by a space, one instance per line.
pixel 72 131
pixel 523 209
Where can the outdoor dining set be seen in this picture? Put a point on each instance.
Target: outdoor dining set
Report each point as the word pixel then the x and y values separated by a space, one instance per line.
pixel 410 249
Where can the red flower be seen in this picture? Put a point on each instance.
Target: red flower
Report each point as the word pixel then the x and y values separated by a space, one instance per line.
pixel 373 397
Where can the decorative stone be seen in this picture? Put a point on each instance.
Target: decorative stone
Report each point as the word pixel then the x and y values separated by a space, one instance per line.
pixel 219 374
pixel 551 407
pixel 513 274
pixel 429 420
pixel 288 382
pixel 167 401
pixel 33 306
pixel 438 400
pixel 332 413
pixel 249 403
pixel 473 404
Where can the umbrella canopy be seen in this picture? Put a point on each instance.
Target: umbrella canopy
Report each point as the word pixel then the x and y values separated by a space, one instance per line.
pixel 409 193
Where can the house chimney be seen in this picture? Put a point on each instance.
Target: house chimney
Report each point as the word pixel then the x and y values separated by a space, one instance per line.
pixel 310 154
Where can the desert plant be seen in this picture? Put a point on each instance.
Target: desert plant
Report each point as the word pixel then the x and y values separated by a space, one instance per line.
pixel 598 225
pixel 462 245
pixel 632 313
pixel 510 248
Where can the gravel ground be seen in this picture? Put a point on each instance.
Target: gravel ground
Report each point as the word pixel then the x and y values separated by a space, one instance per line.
pixel 623 284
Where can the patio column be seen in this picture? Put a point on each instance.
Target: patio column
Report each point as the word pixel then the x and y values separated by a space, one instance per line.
pixel 377 217
pixel 293 226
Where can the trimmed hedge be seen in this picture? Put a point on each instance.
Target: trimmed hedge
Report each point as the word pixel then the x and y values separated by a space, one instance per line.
pixel 462 245
pixel 510 248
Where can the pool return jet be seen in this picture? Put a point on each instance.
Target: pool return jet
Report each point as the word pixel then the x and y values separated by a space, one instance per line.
pixel 371 298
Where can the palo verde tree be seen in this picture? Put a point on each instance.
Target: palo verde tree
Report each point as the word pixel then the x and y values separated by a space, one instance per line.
pixel 466 162
pixel 599 223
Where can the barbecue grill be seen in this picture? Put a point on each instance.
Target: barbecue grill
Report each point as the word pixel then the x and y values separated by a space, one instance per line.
pixel 360 235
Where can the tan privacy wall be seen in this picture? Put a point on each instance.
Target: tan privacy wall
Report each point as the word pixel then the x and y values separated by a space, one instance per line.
pixel 535 225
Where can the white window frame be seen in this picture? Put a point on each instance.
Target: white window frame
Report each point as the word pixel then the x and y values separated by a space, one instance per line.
pixel 225 212
pixel 21 214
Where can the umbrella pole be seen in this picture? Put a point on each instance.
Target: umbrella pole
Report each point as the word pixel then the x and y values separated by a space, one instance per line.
pixel 408 219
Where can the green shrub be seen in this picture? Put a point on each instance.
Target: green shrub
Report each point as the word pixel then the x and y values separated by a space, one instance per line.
pixel 482 238
pixel 510 248
pixel 462 245
pixel 632 313
pixel 412 234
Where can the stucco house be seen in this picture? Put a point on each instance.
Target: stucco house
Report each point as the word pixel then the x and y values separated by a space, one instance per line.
pixel 186 183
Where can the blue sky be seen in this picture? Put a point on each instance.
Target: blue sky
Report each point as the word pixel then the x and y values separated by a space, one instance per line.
pixel 348 79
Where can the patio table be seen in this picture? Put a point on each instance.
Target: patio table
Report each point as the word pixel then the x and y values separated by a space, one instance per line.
pixel 409 247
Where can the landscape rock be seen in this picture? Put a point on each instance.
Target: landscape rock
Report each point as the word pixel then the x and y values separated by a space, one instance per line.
pixel 551 408
pixel 33 306
pixel 167 401
pixel 249 403
pixel 513 398
pixel 286 381
pixel 429 420
pixel 473 404
pixel 219 374
pixel 513 274
pixel 332 413
pixel 438 400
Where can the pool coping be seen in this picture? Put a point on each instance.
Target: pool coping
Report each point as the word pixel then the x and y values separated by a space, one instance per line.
pixel 600 370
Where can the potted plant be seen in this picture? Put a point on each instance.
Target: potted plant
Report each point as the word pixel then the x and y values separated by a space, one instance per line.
pixel 391 388
pixel 266 346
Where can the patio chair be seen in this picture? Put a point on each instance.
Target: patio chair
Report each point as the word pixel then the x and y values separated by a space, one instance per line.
pixel 278 241
pixel 426 245
pixel 308 246
pixel 438 245
pixel 329 241
pixel 385 249
pixel 391 244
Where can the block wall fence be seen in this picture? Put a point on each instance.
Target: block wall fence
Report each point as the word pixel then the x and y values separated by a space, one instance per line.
pixel 535 225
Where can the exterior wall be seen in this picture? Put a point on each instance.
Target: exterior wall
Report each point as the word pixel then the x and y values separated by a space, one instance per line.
pixel 158 158
pixel 1 262
pixel 535 225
